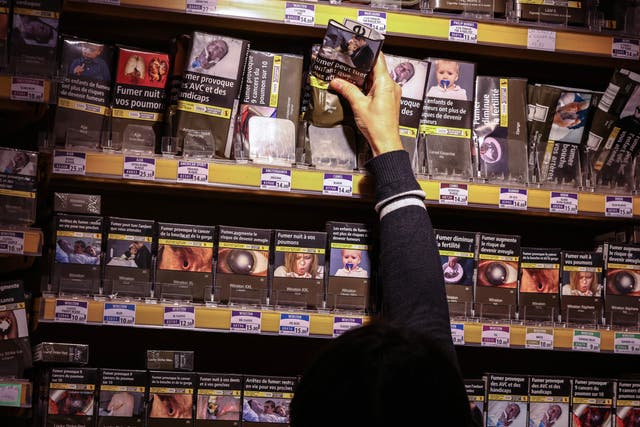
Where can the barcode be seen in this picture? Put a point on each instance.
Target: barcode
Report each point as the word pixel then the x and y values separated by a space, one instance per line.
pixel 540 113
pixel 608 97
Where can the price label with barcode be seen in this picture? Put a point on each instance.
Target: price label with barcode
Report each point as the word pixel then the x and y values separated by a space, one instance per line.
pixel 119 314
pixel 193 172
pixel 618 206
pixel 11 242
pixel 513 198
pixel 201 7
pixel 564 203
pixel 586 341
pixel 27 89
pixel 299 13
pixel 342 324
pixel 294 324
pixel 336 184
pixel 71 311
pixel 541 40
pixel 457 333
pixel 143 168
pixel 539 338
pixel 179 317
pixel 275 179
pixel 248 322
pixel 10 394
pixel 495 336
pixel 375 20
pixel 69 162
pixel 454 194
pixel 463 31
pixel 626 343
pixel 625 48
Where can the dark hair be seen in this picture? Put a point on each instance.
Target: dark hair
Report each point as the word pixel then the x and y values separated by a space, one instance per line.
pixel 371 367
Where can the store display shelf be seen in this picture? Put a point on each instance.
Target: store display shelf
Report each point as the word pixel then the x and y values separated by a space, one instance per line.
pixel 218 319
pixel 312 182
pixel 15 393
pixel 406 23
pixel 24 88
pixel 20 241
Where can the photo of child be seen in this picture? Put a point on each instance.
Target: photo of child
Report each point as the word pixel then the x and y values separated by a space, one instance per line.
pixel 87 61
pixel 299 265
pixel 349 263
pixel 450 80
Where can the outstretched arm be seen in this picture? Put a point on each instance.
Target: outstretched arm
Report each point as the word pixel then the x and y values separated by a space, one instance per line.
pixel 410 270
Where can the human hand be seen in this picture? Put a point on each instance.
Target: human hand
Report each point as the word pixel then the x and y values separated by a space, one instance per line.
pixel 376 113
pixel 78 69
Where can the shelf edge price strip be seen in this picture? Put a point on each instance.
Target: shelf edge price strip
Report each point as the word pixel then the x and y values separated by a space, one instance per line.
pixel 275 179
pixel 495 336
pixel 27 89
pixel 513 198
pixel 201 7
pixel 193 172
pixel 246 321
pixel 299 13
pixel 342 324
pixel 454 194
pixel 72 311
pixel 119 314
pixel 618 206
pixel 143 168
pixel 625 48
pixel 337 184
pixel 294 324
pixel 565 203
pixel 585 341
pixel 69 162
pixel 179 316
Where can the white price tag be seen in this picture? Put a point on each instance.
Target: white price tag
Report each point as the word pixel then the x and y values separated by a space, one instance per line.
pixel 541 40
pixel 193 172
pixel 336 184
pixel 625 48
pixel 201 7
pixel 69 162
pixel 10 394
pixel 119 314
pixel 139 168
pixel 71 311
pixel 539 338
pixel 495 336
pixel 275 179
pixel 566 203
pixel 248 322
pixel 457 333
pixel 375 20
pixel 618 206
pixel 626 343
pixel 179 317
pixel 513 198
pixel 299 13
pixel 294 324
pixel 342 324
pixel 463 31
pixel 454 194
pixel 586 341
pixel 27 89
pixel 11 242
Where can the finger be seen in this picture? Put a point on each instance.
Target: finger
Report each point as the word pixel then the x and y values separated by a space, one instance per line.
pixel 348 90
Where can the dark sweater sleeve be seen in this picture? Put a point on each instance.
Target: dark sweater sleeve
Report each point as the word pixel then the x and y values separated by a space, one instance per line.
pixel 413 290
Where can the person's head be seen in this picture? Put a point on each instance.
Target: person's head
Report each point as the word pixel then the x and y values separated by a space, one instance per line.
pixel 91 50
pixel 269 407
pixel 553 413
pixel 280 410
pixel 447 72
pixel 91 251
pixel 403 72
pixel 133 249
pixel 79 246
pixel 355 43
pixel 213 53
pixel 583 281
pixel 367 366
pixel 452 261
pixel 301 264
pixel 351 258
pixel 509 414
pixel 36 29
pixel 20 159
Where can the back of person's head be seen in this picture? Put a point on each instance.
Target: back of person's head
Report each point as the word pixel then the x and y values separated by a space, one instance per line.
pixel 381 375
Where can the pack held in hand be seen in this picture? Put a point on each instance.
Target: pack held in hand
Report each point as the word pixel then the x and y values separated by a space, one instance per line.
pixel 349 52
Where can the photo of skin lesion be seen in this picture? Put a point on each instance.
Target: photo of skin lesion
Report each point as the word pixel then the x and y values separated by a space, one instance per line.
pixel 185 258
pixel 498 274
pixel 243 261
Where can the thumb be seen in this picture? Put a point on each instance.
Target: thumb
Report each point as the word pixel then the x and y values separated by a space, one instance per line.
pixel 348 90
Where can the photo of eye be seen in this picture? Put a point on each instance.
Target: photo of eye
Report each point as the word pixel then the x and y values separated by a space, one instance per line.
pixel 623 282
pixel 180 258
pixel 243 261
pixel 498 274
